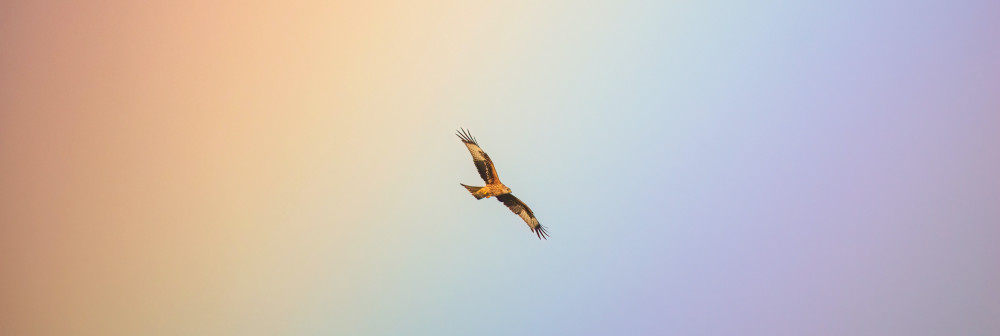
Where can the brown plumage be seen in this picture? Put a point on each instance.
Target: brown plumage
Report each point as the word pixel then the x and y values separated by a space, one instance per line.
pixel 493 186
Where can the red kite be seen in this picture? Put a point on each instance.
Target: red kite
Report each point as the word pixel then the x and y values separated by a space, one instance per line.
pixel 493 186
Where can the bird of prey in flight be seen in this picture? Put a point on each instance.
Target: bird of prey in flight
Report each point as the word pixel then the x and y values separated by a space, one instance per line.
pixel 493 186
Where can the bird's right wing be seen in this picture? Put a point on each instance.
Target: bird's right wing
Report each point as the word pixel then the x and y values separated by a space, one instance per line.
pixel 483 163
pixel 522 210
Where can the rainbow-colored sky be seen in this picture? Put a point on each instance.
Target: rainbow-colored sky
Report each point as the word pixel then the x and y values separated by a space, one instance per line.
pixel 704 167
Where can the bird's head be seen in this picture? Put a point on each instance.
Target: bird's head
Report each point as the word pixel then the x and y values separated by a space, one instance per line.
pixel 506 190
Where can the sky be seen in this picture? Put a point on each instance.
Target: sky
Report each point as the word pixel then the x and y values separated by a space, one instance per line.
pixel 703 167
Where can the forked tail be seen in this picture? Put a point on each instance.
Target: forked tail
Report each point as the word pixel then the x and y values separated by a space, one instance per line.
pixel 474 191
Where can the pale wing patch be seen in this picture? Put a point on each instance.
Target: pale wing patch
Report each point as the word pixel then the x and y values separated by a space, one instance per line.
pixel 477 153
pixel 532 222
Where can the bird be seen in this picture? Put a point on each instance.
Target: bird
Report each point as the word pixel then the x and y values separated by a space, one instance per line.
pixel 494 188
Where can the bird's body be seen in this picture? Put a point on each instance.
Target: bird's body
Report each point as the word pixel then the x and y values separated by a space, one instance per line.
pixel 494 188
pixel 488 190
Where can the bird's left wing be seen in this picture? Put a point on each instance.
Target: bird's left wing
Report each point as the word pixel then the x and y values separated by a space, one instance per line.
pixel 522 210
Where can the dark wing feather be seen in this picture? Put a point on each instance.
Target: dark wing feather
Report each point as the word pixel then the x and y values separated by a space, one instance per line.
pixel 483 163
pixel 522 210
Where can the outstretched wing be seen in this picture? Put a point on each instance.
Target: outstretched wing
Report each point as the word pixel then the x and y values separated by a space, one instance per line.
pixel 522 210
pixel 479 157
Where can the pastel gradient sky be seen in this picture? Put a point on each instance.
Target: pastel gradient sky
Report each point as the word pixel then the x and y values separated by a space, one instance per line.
pixel 704 167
